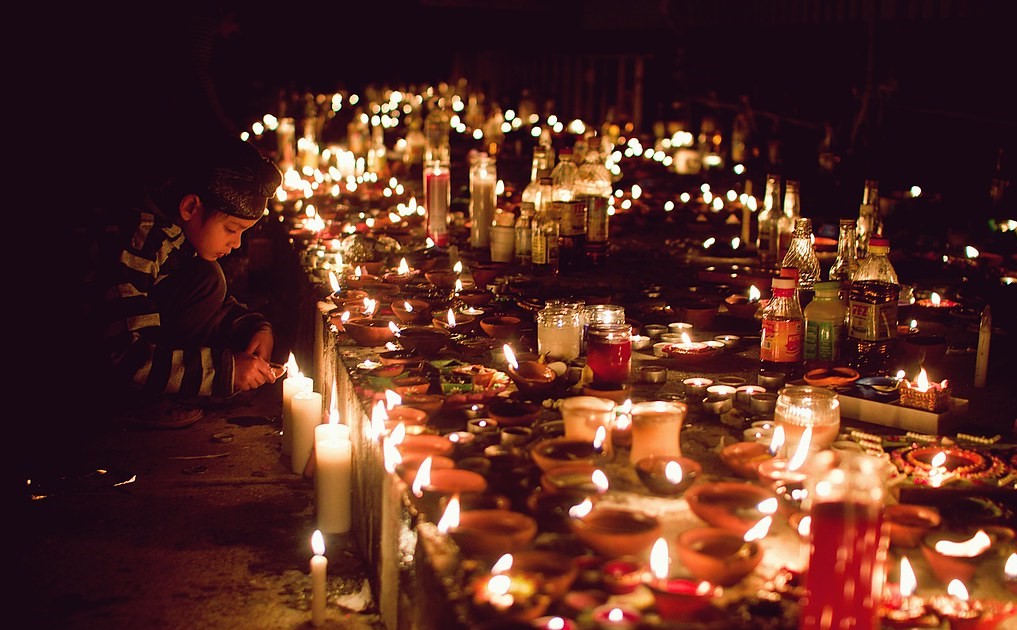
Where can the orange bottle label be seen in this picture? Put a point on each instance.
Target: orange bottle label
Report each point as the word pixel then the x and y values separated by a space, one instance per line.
pixel 781 341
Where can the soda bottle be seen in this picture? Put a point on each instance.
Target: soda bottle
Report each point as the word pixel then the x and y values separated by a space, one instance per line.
pixel 780 342
pixel 824 326
pixel 872 311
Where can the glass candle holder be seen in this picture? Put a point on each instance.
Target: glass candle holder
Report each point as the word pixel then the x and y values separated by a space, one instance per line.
pixel 609 353
pixel 583 415
pixel 559 332
pixel 656 429
pixel 601 314
pixel 800 407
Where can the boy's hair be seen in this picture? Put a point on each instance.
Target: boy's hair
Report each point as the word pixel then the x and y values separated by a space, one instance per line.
pixel 231 176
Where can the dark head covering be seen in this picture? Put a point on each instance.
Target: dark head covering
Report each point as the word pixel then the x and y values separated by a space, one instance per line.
pixel 231 176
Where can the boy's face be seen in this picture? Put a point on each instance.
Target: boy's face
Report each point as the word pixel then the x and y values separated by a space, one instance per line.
pixel 212 234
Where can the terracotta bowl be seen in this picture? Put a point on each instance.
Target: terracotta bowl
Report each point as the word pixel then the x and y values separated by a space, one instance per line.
pixel 557 571
pixel 716 555
pixel 699 314
pixel 425 444
pixel 501 326
pixel 533 378
pixel 381 291
pixel 744 457
pixel 404 385
pixel 442 278
pixel 551 509
pixel 405 357
pixel 369 331
pixel 405 415
pixel 652 472
pixel 348 295
pixel 484 274
pixel 729 505
pixel 430 404
pixel 388 370
pixel 372 267
pixel 513 413
pixel 491 533
pixel 407 469
pixel 739 306
pixel 476 298
pixel 615 532
pixel 909 523
pixel 426 341
pixel 556 452
pixel 419 313
pixel 354 281
pixel 464 323
pixel 949 567
pixel 576 477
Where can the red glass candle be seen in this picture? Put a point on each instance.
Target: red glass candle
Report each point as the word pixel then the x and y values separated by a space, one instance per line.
pixel 609 353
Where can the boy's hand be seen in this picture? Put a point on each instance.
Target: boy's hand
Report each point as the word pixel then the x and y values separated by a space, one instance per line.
pixel 250 372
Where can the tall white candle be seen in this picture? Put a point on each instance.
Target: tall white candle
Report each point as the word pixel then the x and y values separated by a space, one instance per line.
pixel 982 356
pixel 333 474
pixel 319 566
pixel 306 416
pixel 292 384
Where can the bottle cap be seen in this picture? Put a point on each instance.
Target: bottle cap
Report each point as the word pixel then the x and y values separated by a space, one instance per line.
pixel 879 241
pixel 827 287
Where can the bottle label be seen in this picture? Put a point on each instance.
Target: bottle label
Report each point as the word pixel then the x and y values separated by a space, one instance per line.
pixel 573 217
pixel 596 219
pixel 781 341
pixel 538 248
pixel 822 340
pixel 872 322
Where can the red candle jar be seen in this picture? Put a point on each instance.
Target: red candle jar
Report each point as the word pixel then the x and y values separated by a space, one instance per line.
pixel 609 353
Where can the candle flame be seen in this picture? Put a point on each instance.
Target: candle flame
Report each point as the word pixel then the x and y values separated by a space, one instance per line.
pixel 805 526
pixel 379 414
pixel 423 478
pixel 510 356
pixel 357 272
pixel 333 408
pixel 458 267
pixel 686 338
pixel 600 481
pixel 767 506
pixel 673 472
pixel 802 450
pixel 736 242
pixel 554 623
pixel 395 329
pixel 759 530
pixel 503 564
pixel 429 243
pixel 391 346
pixel 935 299
pixel 938 459
pixel 1010 570
pixel 660 559
pixel 451 319
pixel 392 455
pixel 582 509
pixel 318 543
pixel 616 615
pixel 969 548
pixel 345 317
pixel 333 281
pixel 370 306
pixel 908 581
pixel 754 294
pixel 404 267
pixel 600 437
pixel 291 366
pixel 777 439
pixel 450 519
pixel 407 306
pixel 922 380
pixel 957 589
pixel 392 398
pixel 459 285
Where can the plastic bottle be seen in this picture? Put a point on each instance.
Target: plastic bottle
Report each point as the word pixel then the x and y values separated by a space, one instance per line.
pixel 563 177
pixel 869 224
pixel 849 543
pixel 801 254
pixel 824 327
pixel 872 311
pixel 766 238
pixel 780 342
pixel 846 263
pixel 540 167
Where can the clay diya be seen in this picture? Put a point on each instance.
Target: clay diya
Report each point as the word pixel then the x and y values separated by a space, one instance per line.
pixel 430 404
pixel 425 340
pixel 623 575
pixel 910 523
pixel 441 483
pixel 451 321
pixel 491 533
pixel 513 413
pixel 407 416
pixel 533 378
pixel 668 475
pixel 555 452
pixel 614 532
pixel 717 555
pixel 442 278
pixel 741 306
pixel 501 326
pixel 956 556
pixel 407 469
pixel 475 298
pixel 411 311
pixel 729 505
pixel 744 458
pixel 391 357
pixel 556 571
pixel 405 385
pixel 577 477
pixel 551 509
pixel 425 444
pixel 484 274
pixel 369 331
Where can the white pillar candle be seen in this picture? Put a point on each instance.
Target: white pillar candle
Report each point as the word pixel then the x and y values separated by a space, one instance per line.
pixel 333 474
pixel 292 385
pixel 319 566
pixel 306 416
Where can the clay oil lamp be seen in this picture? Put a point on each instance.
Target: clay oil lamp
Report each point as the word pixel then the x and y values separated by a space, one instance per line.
pixel 699 313
pixel 785 476
pixel 408 467
pixel 955 556
pixel 623 575
pixel 485 273
pixel 668 475
pixel 430 486
pixel 402 274
pixel 676 598
pixel 360 277
pixel 616 617
pixel 509 593
pixel 687 352
pixel 425 444
pixel 501 326
pixel 513 413
pixel 924 394
pixel 551 509
pixel 909 523
pixel 743 458
pixel 411 311
pixel 720 556
pixel 935 307
pixel 406 385
pixel 533 378
pixel 430 404
pixel 554 452
pixel 962 613
pixel 613 532
pixel 444 279
pixel 901 608
pixel 426 341
pixel 407 416
pixel 370 331
pixel 403 356
pixel 452 322
pixel 556 571
pixel 580 477
pixel 743 306
pixel 730 505
pixel 476 298
pixel 487 533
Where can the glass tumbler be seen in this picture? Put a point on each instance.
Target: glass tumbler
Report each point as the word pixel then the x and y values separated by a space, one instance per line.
pixel 656 429
pixel 583 415
pixel 803 406
pixel 558 332
pixel 609 354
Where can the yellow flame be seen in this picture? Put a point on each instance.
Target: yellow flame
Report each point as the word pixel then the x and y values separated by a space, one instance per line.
pixel 1010 570
pixel 392 326
pixel 318 543
pixel 767 506
pixel 291 367
pixel 805 526
pixel 333 281
pixel 582 509
pixel 600 480
pixel 407 306
pixel 423 478
pixel 777 439
pixel 686 338
pixel 510 356
pixel 392 398
pixel 458 267
pixel 616 615
pixel 451 319
pixel 503 564
pixel 957 589
pixel 600 437
pixel 908 581
pixel 759 530
pixel 802 451
pixel 936 300
pixel 459 285
pixel 673 472
pixel 392 455
pixel 969 548
pixel 938 459
pixel 404 267
pixel 660 559
pixel 450 519
pixel 379 414
pixel 754 294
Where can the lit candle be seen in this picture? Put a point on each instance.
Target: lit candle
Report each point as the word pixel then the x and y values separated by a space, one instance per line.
pixel 306 416
pixel 333 471
pixel 293 383
pixel 982 356
pixel 615 617
pixel 319 565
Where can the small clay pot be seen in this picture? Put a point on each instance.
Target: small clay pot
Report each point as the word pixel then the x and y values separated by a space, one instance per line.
pixel 369 331
pixel 716 555
pixel 615 532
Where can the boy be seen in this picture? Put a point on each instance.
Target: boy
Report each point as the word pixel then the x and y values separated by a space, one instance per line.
pixel 172 331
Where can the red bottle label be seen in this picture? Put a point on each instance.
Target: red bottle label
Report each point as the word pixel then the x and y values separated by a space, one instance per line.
pixel 781 341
